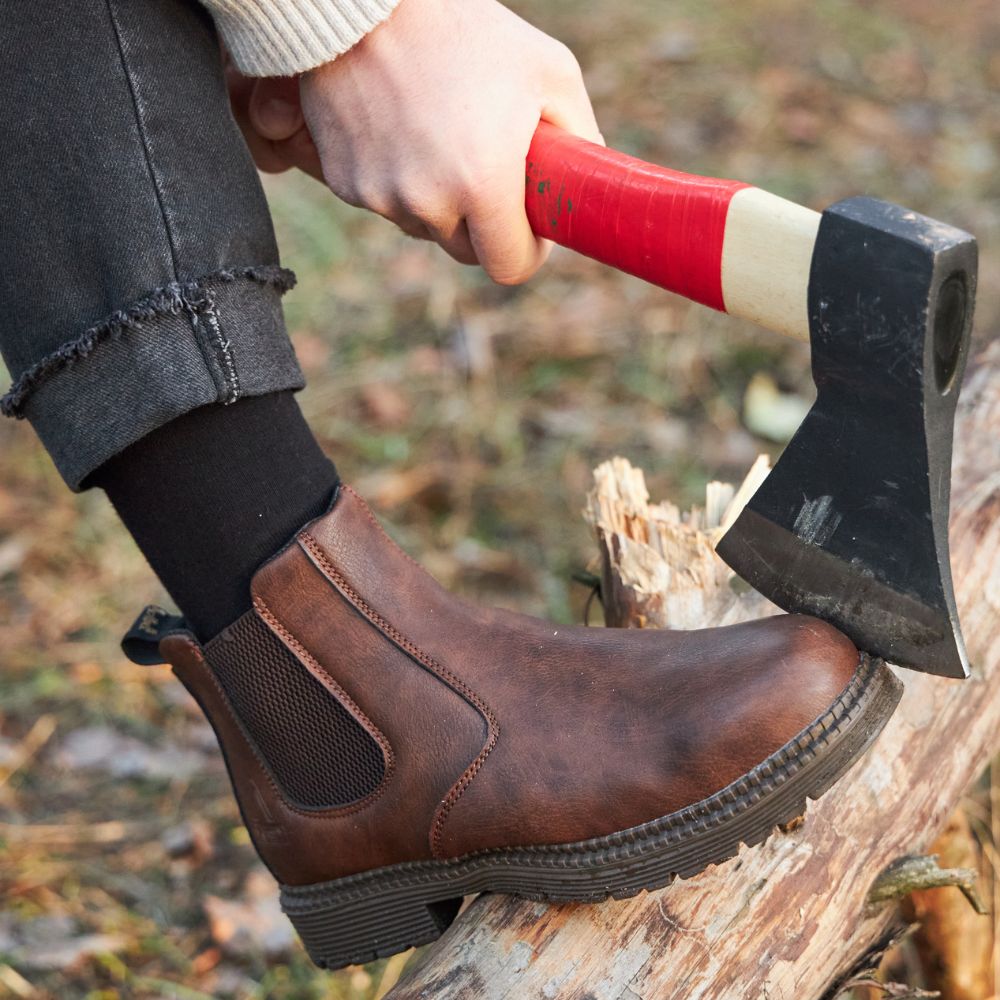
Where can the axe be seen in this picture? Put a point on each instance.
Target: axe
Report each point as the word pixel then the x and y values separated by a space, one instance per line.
pixel 851 525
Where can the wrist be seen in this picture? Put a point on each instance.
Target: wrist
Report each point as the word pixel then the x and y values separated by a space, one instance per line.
pixel 285 37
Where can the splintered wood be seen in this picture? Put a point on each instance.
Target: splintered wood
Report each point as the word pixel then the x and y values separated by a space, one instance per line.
pixel 658 566
pixel 785 920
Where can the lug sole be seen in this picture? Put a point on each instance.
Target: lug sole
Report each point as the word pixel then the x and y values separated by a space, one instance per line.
pixel 381 912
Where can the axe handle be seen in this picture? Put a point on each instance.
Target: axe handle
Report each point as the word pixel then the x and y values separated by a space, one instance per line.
pixel 722 243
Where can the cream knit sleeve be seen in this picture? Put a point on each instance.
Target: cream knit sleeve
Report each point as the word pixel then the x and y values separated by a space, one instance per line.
pixel 282 37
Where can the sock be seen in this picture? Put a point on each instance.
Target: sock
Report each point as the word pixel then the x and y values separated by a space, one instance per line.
pixel 211 495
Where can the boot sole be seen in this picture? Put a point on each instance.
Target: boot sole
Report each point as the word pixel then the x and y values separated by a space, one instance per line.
pixel 377 913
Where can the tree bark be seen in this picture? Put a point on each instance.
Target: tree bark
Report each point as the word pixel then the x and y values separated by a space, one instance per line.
pixel 784 920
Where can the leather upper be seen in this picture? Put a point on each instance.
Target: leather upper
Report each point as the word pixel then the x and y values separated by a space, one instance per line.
pixel 501 730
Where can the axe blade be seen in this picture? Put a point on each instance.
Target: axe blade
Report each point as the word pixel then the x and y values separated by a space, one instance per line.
pixel 852 523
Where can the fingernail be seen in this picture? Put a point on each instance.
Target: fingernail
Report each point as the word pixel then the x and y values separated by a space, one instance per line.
pixel 278 118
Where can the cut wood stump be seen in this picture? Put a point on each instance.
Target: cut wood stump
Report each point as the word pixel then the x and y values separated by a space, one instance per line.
pixel 788 919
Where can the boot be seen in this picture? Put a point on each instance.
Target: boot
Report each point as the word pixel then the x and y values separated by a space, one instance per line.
pixel 394 748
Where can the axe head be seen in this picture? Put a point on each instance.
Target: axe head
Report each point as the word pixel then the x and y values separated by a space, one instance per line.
pixel 852 523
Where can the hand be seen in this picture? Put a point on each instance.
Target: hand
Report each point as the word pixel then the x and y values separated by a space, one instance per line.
pixel 269 114
pixel 427 121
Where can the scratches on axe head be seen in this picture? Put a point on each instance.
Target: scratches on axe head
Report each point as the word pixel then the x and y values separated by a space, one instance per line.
pixel 817 521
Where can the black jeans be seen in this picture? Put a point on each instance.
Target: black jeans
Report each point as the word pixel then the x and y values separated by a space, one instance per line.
pixel 140 275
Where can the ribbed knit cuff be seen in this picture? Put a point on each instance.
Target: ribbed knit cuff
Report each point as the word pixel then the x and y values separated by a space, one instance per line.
pixel 284 37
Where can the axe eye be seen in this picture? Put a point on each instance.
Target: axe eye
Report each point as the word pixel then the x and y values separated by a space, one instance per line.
pixel 949 325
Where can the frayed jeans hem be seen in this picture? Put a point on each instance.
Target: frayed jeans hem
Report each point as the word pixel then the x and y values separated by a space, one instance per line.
pixel 186 344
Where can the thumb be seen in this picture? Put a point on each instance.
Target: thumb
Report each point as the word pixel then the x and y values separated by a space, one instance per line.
pixel 274 110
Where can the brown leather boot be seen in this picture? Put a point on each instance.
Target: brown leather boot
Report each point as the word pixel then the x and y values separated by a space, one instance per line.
pixel 394 748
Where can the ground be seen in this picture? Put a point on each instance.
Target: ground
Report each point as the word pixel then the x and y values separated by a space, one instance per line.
pixel 471 416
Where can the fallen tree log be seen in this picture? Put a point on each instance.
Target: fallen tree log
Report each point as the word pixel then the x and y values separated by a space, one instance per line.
pixel 789 918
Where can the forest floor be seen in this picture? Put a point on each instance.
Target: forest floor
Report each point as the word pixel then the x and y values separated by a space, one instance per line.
pixel 471 416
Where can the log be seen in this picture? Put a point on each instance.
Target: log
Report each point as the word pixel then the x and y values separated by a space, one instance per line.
pixel 789 919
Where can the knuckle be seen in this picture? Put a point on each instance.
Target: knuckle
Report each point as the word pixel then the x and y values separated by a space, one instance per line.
pixel 413 228
pixel 481 183
pixel 335 179
pixel 427 214
pixel 412 199
pixel 565 62
pixel 471 176
pixel 369 195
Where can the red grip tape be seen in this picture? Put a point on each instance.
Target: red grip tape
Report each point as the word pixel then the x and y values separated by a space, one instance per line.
pixel 661 225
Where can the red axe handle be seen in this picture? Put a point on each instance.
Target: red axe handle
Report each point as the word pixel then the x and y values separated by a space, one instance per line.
pixel 722 243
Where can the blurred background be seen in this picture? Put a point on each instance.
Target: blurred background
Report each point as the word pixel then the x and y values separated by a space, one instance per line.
pixel 471 417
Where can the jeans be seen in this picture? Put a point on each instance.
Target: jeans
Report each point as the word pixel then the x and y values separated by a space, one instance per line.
pixel 140 276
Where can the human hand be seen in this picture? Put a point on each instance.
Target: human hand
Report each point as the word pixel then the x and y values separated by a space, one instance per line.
pixel 269 113
pixel 428 120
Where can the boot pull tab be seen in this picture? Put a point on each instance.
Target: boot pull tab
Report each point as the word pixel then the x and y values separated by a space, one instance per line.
pixel 141 643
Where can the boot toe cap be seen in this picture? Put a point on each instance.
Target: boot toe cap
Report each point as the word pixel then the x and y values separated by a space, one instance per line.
pixel 802 665
pixel 774 679
pixel 816 663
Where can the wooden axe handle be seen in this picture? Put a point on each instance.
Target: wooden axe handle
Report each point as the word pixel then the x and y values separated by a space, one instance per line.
pixel 722 243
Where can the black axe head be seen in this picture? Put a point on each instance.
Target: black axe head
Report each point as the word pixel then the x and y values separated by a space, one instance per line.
pixel 852 523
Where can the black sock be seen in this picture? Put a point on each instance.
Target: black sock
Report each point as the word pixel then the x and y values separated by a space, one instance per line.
pixel 211 495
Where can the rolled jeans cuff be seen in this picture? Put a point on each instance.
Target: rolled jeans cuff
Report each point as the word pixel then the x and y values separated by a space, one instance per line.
pixel 214 339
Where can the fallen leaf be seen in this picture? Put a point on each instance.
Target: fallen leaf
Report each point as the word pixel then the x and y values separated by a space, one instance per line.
pixel 386 405
pixel 772 414
pixel 54 943
pixel 12 554
pixel 70 954
pixel 100 748
pixel 254 924
pixel 191 840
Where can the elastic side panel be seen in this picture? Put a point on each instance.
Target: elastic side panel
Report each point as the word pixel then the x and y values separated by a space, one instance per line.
pixel 316 750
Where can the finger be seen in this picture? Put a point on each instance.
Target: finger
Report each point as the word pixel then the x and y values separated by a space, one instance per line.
pixel 413 227
pixel 262 150
pixel 239 88
pixel 501 237
pixel 274 108
pixel 300 151
pixel 267 156
pixel 453 239
pixel 568 104
pixel 456 242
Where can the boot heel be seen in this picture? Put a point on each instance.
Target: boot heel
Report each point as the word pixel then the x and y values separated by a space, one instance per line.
pixel 340 927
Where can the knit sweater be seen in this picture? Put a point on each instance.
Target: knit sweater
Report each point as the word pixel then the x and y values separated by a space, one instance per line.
pixel 283 37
